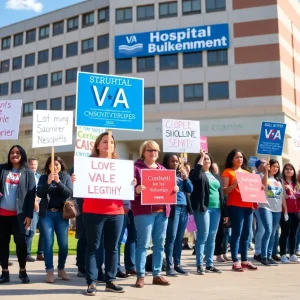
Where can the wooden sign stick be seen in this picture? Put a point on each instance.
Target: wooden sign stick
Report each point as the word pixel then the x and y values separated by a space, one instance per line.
pixel 52 160
pixel 109 143
pixel 181 160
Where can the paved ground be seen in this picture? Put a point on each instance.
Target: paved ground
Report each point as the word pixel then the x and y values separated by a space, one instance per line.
pixel 282 282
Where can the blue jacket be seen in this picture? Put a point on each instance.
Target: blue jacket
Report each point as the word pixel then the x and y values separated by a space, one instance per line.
pixel 185 186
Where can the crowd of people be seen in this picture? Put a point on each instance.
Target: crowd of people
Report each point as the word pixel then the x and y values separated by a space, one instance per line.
pixel 29 200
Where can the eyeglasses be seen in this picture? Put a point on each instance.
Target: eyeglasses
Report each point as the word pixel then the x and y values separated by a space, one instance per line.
pixel 289 169
pixel 151 150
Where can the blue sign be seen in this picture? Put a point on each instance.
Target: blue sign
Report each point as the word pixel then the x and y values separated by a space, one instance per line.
pixel 108 101
pixel 251 161
pixel 188 39
pixel 271 138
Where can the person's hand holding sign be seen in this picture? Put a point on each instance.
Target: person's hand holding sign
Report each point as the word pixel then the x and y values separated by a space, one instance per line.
pixel 176 189
pixel 50 178
pixel 56 177
pixel 183 173
pixel 139 189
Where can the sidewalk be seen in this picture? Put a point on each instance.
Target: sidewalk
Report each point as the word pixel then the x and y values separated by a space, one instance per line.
pixel 268 283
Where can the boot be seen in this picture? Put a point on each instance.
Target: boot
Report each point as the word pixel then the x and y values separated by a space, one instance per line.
pixel 63 275
pixel 50 277
pixel 4 277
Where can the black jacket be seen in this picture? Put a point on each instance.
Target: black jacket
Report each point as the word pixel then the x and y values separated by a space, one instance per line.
pixel 25 194
pixel 200 194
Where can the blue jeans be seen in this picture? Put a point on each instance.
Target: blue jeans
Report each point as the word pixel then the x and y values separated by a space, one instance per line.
pixel 276 242
pixel 147 226
pixel 129 255
pixel 270 221
pixel 207 226
pixel 260 230
pixel 81 244
pixel 31 231
pixel 120 242
pixel 175 234
pixel 241 221
pixel 54 222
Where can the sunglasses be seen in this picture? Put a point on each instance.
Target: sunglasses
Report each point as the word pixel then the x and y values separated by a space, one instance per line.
pixel 151 150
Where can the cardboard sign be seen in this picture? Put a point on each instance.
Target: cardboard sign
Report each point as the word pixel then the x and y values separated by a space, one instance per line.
pixel 52 128
pixel 251 161
pixel 102 178
pixel 109 101
pixel 191 225
pixel 10 112
pixel 181 136
pixel 296 136
pixel 271 138
pixel 85 139
pixel 204 143
pixel 159 187
pixel 250 186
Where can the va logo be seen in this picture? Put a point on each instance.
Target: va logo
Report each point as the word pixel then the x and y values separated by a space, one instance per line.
pixel 131 39
pixel 119 98
pixel 273 134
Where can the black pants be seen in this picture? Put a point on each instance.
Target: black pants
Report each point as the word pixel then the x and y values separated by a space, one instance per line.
pixel 222 240
pixel 289 231
pixel 10 226
pixel 81 244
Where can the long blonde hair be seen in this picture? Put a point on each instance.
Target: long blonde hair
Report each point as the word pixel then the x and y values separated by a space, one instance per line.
pixel 95 151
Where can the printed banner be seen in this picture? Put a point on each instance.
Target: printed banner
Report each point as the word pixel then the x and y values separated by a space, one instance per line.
pixel 296 136
pixel 191 225
pixel 159 185
pixel 101 178
pixel 181 136
pixel 10 112
pixel 204 143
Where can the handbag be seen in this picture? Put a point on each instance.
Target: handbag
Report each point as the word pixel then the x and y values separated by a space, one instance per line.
pixel 70 209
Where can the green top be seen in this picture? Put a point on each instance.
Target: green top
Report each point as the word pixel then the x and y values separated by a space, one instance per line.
pixel 214 185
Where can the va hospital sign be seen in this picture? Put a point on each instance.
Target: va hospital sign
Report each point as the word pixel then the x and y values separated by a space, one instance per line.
pixel 190 39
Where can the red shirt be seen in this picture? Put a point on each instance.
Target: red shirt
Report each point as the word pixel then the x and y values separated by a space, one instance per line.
pixel 292 199
pixel 103 206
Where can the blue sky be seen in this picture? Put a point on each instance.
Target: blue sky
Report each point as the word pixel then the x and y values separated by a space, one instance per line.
pixel 13 11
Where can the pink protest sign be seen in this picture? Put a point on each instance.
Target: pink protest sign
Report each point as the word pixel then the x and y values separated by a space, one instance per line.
pixel 191 225
pixel 204 143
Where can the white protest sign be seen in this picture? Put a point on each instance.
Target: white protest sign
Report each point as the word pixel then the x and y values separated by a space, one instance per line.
pixel 10 112
pixel 296 136
pixel 102 178
pixel 181 136
pixel 85 139
pixel 52 128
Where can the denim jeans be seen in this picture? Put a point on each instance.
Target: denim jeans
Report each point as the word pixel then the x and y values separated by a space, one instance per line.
pixel 81 244
pixel 270 221
pixel 54 222
pixel 276 242
pixel 241 221
pixel 260 230
pixel 120 242
pixel 96 226
pixel 175 233
pixel 41 239
pixel 207 226
pixel 150 226
pixel 31 231
pixel 130 245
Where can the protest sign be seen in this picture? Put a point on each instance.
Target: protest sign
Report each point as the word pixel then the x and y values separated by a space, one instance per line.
pixel 296 136
pixel 271 138
pixel 159 185
pixel 191 225
pixel 102 178
pixel 10 112
pixel 181 136
pixel 85 139
pixel 250 187
pixel 109 101
pixel 52 128
pixel 204 143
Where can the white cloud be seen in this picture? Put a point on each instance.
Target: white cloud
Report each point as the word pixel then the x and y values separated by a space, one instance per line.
pixel 34 5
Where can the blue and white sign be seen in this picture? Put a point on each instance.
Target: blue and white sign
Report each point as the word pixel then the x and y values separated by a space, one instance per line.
pixel 271 138
pixel 108 101
pixel 188 39
pixel 251 161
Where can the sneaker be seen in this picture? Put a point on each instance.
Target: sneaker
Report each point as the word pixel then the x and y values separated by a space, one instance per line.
pixel 272 262
pixel 249 266
pixel 140 282
pixel 171 272
pixel 91 290
pixel 264 261
pixel 297 253
pixel 237 267
pixel 294 259
pixel 24 277
pixel 200 270
pixel 284 259
pixel 40 257
pixel 30 258
pixel 113 287
pixel 81 274
pixel 159 280
pixel 276 257
pixel 212 269
pixel 257 257
pixel 4 278
pixel 181 271
pixel 186 247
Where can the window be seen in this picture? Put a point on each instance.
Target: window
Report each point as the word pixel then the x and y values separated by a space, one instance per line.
pixel 18 39
pixel 5 43
pixel 191 7
pixel 192 60
pixel 4 89
pixel 58 28
pixel 72 24
pixel 168 9
pixel 169 94
pixel 43 56
pixel 56 78
pixel 149 95
pixel 29 60
pixel 72 49
pixel 88 19
pixel 30 36
pixel 55 104
pixel 27 109
pixel 44 32
pixel 28 84
pixel 70 102
pixel 215 5
pixel 87 46
pixel 28 132
pixel 88 68
pixel 71 75
pixel 17 62
pixel 41 105
pixel 145 12
pixel 218 90
pixel 42 81
pixel 103 15
pixel 103 67
pixel 193 92
pixel 16 87
pixel 103 41
pixel 123 66
pixel 217 58
pixel 145 64
pixel 124 15
pixel 57 53
pixel 167 62
pixel 4 66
